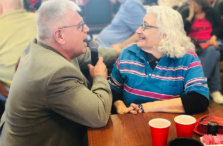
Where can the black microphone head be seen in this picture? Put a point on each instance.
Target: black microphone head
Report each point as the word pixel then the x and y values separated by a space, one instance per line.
pixel 93 45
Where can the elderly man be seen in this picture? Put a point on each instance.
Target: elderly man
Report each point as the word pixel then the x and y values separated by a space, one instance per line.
pixel 17 29
pixel 50 101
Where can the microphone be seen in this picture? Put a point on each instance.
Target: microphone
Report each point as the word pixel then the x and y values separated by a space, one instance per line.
pixel 93 45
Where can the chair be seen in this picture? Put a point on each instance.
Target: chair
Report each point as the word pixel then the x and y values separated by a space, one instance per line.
pixel 97 15
pixel 4 92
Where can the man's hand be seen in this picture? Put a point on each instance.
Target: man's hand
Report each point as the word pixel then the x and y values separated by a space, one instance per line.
pixel 122 109
pixel 125 110
pixel 98 69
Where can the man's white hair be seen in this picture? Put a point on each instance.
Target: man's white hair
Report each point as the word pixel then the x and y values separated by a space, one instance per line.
pixel 51 15
pixel 175 42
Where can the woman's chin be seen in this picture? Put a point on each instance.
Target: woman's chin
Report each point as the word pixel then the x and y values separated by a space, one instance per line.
pixel 139 44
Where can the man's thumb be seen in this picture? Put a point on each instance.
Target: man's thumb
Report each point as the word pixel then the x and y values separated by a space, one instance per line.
pixel 90 66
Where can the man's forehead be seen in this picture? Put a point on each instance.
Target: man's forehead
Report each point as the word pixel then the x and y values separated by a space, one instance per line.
pixel 73 15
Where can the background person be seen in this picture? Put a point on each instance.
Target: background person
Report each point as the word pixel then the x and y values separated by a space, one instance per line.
pixel 17 29
pixel 123 25
pixel 203 24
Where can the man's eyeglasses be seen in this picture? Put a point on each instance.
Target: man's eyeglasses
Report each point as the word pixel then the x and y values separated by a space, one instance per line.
pixel 145 26
pixel 80 25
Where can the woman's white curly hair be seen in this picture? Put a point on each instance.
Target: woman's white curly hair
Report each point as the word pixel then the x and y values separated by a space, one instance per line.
pixel 175 42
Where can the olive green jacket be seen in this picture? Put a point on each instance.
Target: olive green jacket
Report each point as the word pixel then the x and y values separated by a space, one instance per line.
pixel 50 101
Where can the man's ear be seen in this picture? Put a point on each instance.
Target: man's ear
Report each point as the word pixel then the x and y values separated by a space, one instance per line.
pixel 59 37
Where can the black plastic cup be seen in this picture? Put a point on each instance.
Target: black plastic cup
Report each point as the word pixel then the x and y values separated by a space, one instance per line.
pixel 184 141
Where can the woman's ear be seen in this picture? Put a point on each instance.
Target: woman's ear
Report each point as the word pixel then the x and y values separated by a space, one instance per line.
pixel 59 37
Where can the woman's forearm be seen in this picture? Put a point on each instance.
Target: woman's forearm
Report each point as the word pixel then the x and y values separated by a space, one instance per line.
pixel 169 106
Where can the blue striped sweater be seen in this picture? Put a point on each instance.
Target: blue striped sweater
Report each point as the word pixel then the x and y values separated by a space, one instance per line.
pixel 134 79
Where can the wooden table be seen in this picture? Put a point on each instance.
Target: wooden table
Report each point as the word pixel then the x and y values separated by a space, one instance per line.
pixel 133 130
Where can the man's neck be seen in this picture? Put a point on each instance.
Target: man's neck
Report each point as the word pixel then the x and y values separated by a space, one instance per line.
pixel 55 47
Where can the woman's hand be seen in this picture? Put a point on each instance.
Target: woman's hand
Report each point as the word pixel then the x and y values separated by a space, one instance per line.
pixel 134 108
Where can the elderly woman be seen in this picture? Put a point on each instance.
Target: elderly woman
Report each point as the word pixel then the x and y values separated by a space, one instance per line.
pixel 161 73
pixel 203 24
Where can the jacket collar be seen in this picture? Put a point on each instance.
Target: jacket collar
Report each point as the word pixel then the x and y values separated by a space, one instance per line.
pixel 58 51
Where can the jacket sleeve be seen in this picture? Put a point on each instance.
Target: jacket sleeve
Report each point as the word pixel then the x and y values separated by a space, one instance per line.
pixel 69 96
pixel 194 102
pixel 109 56
pixel 187 24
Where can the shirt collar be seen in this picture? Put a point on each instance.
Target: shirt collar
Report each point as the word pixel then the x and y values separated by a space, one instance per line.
pixel 138 51
pixel 141 54
pixel 151 58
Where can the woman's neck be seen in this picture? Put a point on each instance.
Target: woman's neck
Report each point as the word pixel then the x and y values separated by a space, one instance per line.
pixel 200 15
pixel 155 53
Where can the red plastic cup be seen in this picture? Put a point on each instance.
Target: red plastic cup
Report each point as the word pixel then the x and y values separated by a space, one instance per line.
pixel 159 131
pixel 185 125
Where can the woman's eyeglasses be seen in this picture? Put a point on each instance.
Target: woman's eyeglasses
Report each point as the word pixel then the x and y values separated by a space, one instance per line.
pixel 145 26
